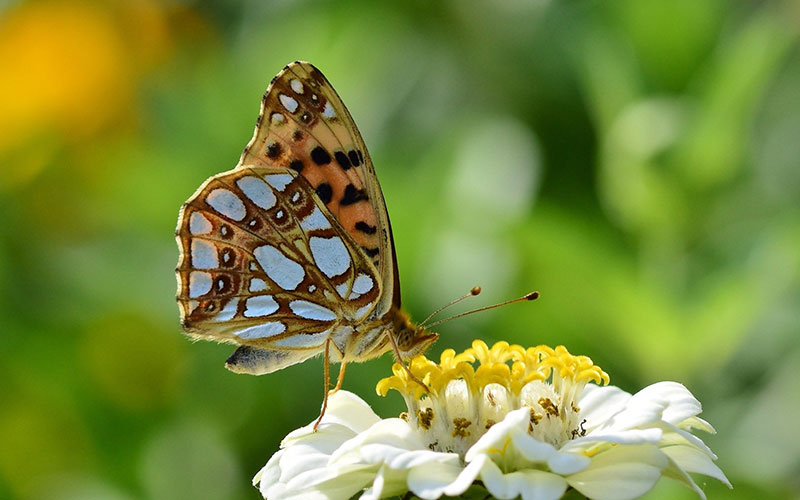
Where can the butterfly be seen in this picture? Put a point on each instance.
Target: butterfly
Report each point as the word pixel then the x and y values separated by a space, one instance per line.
pixel 290 254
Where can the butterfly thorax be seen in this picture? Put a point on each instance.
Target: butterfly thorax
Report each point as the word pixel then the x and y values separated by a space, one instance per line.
pixel 372 338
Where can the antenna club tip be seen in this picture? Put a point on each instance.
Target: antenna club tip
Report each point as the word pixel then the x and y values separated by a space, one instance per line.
pixel 532 296
pixel 476 290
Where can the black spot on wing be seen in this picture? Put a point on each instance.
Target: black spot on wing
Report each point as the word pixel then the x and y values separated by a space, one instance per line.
pixel 353 195
pixel 273 150
pixel 353 156
pixel 227 258
pixel 365 228
pixel 320 156
pixel 372 252
pixel 223 284
pixel 254 224
pixel 325 192
pixel 297 135
pixel 342 160
pixel 296 165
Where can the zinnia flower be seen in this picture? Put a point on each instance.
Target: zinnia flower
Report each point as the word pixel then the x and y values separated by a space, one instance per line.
pixel 524 423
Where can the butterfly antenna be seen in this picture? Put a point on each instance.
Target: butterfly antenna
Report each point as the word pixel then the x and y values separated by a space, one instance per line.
pixel 527 296
pixel 476 290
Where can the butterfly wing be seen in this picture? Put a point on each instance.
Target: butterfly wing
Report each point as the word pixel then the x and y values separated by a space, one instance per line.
pixel 304 126
pixel 265 264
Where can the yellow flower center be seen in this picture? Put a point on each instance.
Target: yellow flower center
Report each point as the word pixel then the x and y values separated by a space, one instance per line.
pixel 465 400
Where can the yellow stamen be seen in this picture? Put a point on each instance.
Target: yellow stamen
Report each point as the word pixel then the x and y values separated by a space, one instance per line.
pixel 534 363
pixel 501 451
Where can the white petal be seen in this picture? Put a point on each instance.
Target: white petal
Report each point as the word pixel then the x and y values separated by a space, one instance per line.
pixel 272 491
pixel 644 412
pixel 270 472
pixel 620 473
pixel 387 483
pixel 568 463
pixel 346 408
pixel 379 453
pixel 534 450
pixel 419 458
pixel 499 433
pixel 681 404
pixel 467 476
pixel 531 484
pixel 542 485
pixel 664 401
pixel 331 437
pixel 598 404
pixel 539 452
pixel 298 459
pixel 635 436
pixel 492 478
pixel 429 481
pixel 693 460
pixel 381 442
pixel 676 473
pixel 674 435
pixel 697 423
pixel 330 483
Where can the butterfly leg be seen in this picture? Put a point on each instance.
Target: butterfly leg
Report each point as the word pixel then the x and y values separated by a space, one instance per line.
pixel 400 360
pixel 340 379
pixel 327 373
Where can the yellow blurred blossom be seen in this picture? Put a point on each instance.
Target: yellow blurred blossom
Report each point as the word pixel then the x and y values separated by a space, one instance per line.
pixel 70 68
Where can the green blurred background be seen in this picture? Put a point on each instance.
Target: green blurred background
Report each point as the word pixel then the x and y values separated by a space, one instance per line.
pixel 635 161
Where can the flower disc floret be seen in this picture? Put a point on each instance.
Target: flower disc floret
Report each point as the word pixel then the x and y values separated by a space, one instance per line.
pixel 467 393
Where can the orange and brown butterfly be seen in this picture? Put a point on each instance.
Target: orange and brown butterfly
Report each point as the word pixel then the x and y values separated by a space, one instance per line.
pixel 290 254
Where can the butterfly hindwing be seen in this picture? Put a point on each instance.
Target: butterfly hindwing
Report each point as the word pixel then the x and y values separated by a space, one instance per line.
pixel 304 126
pixel 265 264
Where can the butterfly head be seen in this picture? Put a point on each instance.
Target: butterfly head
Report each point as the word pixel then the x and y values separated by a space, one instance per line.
pixel 412 340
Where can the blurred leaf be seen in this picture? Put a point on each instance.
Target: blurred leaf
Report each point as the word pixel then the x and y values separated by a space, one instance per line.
pixel 134 363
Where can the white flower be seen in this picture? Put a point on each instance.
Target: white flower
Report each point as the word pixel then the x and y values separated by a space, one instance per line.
pixel 531 429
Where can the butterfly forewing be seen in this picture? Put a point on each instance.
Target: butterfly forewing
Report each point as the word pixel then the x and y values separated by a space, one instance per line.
pixel 304 126
pixel 264 263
